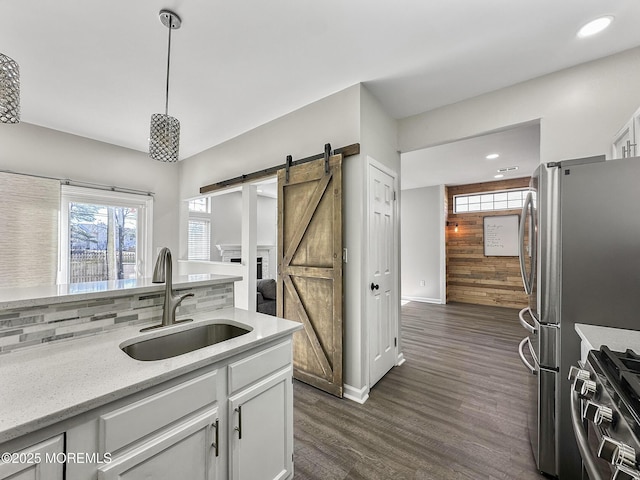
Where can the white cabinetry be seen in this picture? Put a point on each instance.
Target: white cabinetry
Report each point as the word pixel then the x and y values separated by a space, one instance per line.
pixel 164 435
pixel 39 462
pixel 229 420
pixel 186 451
pixel 625 141
pixel 260 413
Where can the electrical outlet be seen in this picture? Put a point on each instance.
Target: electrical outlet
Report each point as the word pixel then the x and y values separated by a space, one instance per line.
pixel 422 283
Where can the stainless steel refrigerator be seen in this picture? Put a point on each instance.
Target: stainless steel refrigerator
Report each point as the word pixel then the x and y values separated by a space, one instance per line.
pixel 580 261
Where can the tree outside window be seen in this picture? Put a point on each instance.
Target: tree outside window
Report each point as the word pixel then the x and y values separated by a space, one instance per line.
pixel 102 242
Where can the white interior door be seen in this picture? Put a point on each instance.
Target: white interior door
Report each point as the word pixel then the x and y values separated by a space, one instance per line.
pixel 381 266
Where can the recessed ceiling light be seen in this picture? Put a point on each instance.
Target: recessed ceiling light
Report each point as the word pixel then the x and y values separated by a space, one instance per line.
pixel 492 156
pixel 498 175
pixel 595 26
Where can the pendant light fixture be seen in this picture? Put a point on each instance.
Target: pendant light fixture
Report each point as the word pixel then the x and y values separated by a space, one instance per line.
pixel 9 90
pixel 164 138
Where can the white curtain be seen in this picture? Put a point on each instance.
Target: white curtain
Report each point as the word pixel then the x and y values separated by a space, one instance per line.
pixel 29 210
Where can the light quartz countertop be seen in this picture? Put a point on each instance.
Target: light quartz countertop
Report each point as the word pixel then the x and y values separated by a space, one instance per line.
pixel 43 385
pixel 617 339
pixel 21 297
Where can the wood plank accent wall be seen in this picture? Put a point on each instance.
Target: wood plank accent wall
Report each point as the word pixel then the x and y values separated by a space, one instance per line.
pixel 472 277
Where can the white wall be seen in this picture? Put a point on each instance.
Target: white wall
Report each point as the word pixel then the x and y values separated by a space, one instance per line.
pixel 302 133
pixel 27 148
pixel 226 222
pixel 423 224
pixel 378 140
pixel 268 229
pixel 580 108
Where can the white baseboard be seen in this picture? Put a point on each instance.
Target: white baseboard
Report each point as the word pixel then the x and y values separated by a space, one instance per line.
pixel 423 300
pixel 359 395
pixel 400 360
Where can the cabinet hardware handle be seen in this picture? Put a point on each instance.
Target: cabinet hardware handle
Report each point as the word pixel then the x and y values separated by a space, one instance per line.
pixel 374 286
pixel 239 427
pixel 215 442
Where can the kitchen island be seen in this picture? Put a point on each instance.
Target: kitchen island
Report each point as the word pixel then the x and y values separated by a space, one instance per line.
pixel 201 414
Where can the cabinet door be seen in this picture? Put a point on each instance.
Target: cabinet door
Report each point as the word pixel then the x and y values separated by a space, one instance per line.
pixel 261 429
pixel 186 451
pixel 623 142
pixel 39 462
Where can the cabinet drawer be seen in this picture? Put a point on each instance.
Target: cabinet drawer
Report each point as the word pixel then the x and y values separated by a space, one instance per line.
pixel 255 367
pixel 127 424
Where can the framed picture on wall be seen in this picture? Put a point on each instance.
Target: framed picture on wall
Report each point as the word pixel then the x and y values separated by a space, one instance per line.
pixel 500 235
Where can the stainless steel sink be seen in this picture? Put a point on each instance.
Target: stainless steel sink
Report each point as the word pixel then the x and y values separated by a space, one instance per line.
pixel 184 341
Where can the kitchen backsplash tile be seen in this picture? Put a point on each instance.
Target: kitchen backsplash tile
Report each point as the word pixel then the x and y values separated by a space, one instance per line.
pixel 29 326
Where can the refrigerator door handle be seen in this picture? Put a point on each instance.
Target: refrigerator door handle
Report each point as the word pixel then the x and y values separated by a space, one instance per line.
pixel 530 328
pixel 588 461
pixel 521 251
pixel 524 360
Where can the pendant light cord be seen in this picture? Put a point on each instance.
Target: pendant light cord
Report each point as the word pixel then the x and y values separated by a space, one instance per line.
pixel 166 104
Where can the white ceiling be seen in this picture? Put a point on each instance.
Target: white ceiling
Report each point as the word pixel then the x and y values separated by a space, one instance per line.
pixel 465 161
pixel 97 69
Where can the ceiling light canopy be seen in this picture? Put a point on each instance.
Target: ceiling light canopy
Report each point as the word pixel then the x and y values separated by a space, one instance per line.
pixel 492 156
pixel 164 138
pixel 595 26
pixel 9 90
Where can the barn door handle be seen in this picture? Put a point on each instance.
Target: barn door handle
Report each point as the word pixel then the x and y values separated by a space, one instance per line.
pixel 374 286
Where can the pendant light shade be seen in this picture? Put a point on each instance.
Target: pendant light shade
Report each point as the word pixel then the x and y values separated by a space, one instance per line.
pixel 164 140
pixel 164 137
pixel 9 90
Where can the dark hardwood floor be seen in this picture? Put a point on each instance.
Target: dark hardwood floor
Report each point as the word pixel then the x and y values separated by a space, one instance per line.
pixel 456 409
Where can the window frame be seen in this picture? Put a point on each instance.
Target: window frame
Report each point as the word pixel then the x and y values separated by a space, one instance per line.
pixel 480 196
pixel 144 227
pixel 199 216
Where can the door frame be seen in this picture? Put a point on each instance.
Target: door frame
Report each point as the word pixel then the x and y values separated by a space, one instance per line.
pixel 366 274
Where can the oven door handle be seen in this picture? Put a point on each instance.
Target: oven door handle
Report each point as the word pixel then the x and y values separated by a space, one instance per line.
pixel 588 461
pixel 524 360
pixel 530 328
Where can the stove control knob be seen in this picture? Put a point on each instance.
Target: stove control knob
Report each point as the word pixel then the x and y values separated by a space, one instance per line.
pixel 617 453
pixel 624 473
pixel 587 388
pixel 598 414
pixel 607 450
pixel 625 456
pixel 575 372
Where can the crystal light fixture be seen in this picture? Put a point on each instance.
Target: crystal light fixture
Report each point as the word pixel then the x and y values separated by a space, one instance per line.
pixel 9 90
pixel 164 138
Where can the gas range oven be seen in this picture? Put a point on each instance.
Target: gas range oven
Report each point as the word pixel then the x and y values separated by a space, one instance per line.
pixel 605 411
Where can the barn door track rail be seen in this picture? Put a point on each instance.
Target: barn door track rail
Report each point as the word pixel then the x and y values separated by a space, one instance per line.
pixel 348 151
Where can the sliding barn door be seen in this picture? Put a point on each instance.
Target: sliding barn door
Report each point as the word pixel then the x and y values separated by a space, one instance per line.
pixel 310 268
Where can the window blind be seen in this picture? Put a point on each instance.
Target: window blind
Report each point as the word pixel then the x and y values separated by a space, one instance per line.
pixel 28 230
pixel 199 244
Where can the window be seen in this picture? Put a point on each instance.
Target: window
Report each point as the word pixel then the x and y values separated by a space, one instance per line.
pixel 104 235
pixel 199 240
pixel 200 205
pixel 490 201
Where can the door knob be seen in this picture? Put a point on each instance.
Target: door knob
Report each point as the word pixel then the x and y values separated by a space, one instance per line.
pixel 374 286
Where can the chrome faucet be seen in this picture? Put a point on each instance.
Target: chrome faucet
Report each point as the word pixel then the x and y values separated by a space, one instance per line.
pixel 162 273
